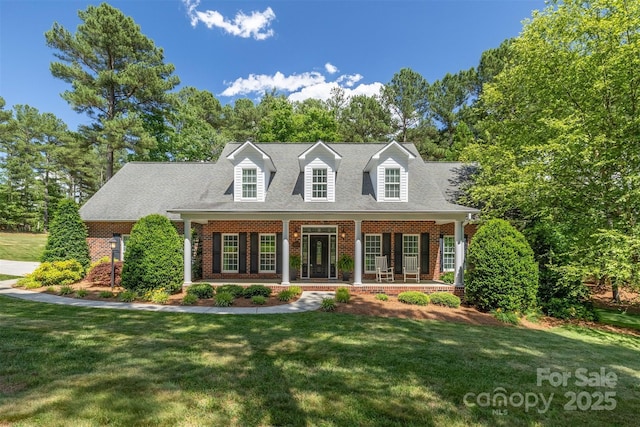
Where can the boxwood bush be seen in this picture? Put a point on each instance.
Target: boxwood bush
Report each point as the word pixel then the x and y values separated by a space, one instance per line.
pixel 445 299
pixel 501 270
pixel 200 290
pixel 235 290
pixel 255 290
pixel 414 297
pixel 154 257
pixel 67 237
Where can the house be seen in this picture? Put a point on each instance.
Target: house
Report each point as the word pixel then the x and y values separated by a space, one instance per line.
pixel 260 203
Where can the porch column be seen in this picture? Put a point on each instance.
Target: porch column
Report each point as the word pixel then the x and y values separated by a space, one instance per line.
pixel 459 260
pixel 187 251
pixel 357 273
pixel 285 252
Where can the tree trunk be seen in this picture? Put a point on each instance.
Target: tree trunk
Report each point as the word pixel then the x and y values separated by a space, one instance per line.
pixel 109 162
pixel 615 293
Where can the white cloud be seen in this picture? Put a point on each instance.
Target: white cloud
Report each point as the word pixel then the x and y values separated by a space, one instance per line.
pixel 331 69
pixel 349 79
pixel 261 83
pixel 254 25
pixel 323 91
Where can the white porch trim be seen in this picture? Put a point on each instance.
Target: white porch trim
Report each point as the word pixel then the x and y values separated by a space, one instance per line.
pixel 187 252
pixel 459 260
pixel 357 273
pixel 285 252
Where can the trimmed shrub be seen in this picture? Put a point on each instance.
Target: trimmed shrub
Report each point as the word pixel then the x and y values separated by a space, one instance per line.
pixel 28 282
pixel 127 296
pixel 200 290
pixel 382 297
pixel 414 297
pixel 448 277
pixel 100 274
pixel 445 299
pixel 235 290
pixel 254 290
pixel 258 299
pixel 285 295
pixel 501 270
pixel 189 299
pixel 224 299
pixel 343 295
pixel 153 258
pixel 328 304
pixel 297 290
pixel 568 308
pixel 58 273
pixel 98 262
pixel 67 236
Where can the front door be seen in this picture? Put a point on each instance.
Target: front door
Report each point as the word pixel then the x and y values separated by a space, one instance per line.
pixel 319 256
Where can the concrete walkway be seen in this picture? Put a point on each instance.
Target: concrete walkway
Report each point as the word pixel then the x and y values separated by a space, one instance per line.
pixel 308 301
pixel 17 268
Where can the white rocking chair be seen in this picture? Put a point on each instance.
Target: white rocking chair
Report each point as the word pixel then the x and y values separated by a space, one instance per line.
pixel 382 271
pixel 410 267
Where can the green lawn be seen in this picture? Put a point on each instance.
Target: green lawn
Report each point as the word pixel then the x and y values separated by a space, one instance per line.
pixel 22 246
pixel 619 318
pixel 8 277
pixel 63 365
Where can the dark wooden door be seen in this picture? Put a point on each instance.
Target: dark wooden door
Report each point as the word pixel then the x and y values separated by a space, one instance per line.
pixel 319 256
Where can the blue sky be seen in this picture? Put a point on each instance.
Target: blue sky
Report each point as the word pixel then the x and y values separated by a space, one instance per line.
pixel 239 48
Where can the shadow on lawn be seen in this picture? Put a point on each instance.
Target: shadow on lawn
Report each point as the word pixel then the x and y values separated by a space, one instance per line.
pixel 132 368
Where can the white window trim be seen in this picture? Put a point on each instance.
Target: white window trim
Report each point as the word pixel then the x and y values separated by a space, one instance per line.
pixel 123 245
pixel 367 253
pixel 399 183
pixel 255 184
pixel 237 252
pixel 453 252
pixel 417 253
pixel 325 183
pixel 275 252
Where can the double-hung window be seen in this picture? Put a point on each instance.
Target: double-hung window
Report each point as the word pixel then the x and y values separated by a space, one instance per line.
pixel 267 253
pixel 411 245
pixel 230 253
pixel 392 183
pixel 319 184
pixel 448 253
pixel 249 183
pixel 372 249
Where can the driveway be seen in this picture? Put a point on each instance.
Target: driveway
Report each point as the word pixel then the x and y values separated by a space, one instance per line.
pixel 17 268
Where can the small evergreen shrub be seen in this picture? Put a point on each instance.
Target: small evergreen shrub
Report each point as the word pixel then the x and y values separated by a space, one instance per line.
pixel 81 293
pixel 189 299
pixel 285 295
pixel 343 295
pixel 51 289
pixel 296 290
pixel 28 282
pixel 154 258
pixel 157 296
pixel 448 277
pixel 254 290
pixel 100 274
pixel 67 237
pixel 200 290
pixel 258 299
pixel 445 299
pixel 235 290
pixel 58 273
pixel 382 297
pixel 127 296
pixel 328 304
pixel 65 290
pixel 568 308
pixel 414 297
pixel 224 299
pixel 502 272
pixel 509 317
pixel 106 294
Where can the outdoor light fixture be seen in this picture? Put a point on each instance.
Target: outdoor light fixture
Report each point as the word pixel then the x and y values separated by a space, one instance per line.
pixel 343 234
pixel 113 242
pixel 295 234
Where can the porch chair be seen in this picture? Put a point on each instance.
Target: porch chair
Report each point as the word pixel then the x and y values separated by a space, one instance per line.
pixel 382 271
pixel 410 267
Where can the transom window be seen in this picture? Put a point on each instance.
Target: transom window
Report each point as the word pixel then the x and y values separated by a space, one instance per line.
pixel 448 253
pixel 230 253
pixel 410 244
pixel 392 183
pixel 249 183
pixel 267 253
pixel 372 249
pixel 319 184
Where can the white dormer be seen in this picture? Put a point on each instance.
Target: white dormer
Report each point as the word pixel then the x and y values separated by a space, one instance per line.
pixel 252 170
pixel 389 173
pixel 319 165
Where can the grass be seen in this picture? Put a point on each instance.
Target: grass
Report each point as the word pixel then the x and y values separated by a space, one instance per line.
pixel 619 318
pixel 8 277
pixel 74 366
pixel 22 246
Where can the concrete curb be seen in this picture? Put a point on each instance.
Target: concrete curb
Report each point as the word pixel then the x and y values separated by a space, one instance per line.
pixel 308 301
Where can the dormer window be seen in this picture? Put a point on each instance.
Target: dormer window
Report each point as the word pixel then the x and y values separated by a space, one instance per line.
pixel 392 183
pixel 319 184
pixel 249 183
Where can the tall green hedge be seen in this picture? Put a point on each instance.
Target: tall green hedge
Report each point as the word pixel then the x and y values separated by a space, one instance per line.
pixel 153 258
pixel 67 236
pixel 501 270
